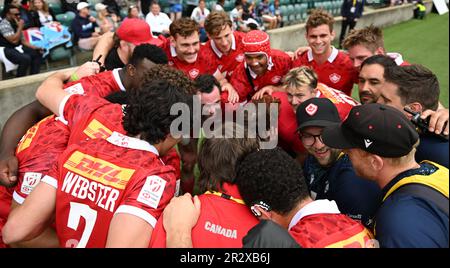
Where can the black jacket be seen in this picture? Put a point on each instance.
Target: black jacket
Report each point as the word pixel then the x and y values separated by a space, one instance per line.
pixel 347 8
pixel 34 18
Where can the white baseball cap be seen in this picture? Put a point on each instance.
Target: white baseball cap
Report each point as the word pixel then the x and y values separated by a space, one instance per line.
pixel 100 6
pixel 82 5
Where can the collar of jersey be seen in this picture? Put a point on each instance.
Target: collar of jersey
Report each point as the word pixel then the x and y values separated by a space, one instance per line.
pixel 322 206
pixel 331 58
pixel 218 52
pixel 129 142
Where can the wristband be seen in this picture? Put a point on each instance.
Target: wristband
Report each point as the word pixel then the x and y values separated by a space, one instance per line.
pixel 74 77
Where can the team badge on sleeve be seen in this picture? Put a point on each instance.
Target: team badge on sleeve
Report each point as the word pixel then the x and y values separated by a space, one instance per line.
pixel 152 191
pixel 75 89
pixel 30 180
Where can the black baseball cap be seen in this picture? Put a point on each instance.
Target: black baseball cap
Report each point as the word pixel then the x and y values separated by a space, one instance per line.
pixel 317 112
pixel 374 128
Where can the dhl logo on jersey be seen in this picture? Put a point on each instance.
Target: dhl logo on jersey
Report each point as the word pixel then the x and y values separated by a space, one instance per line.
pixel 96 130
pixel 363 239
pixel 26 140
pixel 99 170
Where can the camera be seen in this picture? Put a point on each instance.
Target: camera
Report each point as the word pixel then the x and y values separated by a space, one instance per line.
pixel 422 124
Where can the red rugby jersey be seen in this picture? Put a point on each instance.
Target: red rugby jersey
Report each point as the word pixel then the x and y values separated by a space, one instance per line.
pixel 206 63
pixel 279 64
pixel 98 178
pixel 319 224
pixel 45 141
pixel 222 222
pixel 227 63
pixel 336 72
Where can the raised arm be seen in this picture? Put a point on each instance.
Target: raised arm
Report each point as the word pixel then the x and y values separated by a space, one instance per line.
pixel 16 126
pixel 104 45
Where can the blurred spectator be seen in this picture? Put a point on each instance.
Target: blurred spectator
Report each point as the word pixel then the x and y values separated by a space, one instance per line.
pixel 351 11
pixel 159 22
pixel 190 6
pixel 134 12
pixel 145 6
pixel 236 16
pixel 175 9
pixel 219 6
pixel 265 16
pixel 275 11
pixel 15 50
pixel 199 14
pixel 106 21
pixel 247 10
pixel 419 10
pixel 83 27
pixel 40 13
pixel 70 5
pixel 251 24
pixel 112 6
pixel 24 15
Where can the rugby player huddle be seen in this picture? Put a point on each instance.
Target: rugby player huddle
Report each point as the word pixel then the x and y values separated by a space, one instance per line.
pixel 96 160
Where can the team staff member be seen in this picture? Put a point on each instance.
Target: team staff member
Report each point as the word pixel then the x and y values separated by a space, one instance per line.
pixel 381 143
pixel 372 80
pixel 224 219
pixel 132 200
pixel 333 67
pixel 328 172
pixel 417 88
pixel 272 185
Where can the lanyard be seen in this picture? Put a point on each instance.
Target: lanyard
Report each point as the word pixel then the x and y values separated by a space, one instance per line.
pixel 226 196
pixel 354 2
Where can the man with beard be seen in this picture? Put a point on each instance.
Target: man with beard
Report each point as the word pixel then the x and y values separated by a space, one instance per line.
pixel 372 80
pixel 328 172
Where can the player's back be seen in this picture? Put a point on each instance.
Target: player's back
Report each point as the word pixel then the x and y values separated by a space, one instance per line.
pixel 330 230
pixel 98 178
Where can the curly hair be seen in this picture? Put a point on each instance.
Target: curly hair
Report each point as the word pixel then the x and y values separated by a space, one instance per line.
pixel 184 27
pixel 148 111
pixel 218 156
pixel 174 77
pixel 205 83
pixel 319 17
pixel 370 37
pixel 151 52
pixel 274 177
